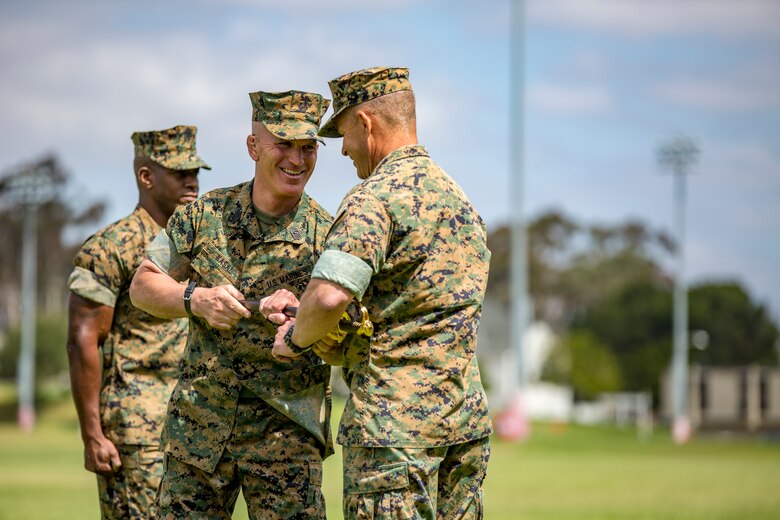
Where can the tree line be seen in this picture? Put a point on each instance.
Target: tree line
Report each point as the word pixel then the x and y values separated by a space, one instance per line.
pixel 56 216
pixel 605 289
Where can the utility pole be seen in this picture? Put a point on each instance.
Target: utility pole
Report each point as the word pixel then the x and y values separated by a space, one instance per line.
pixel 513 423
pixel 678 155
pixel 31 186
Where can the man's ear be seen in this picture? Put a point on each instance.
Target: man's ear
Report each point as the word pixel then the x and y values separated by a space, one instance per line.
pixel 144 176
pixel 251 146
pixel 365 120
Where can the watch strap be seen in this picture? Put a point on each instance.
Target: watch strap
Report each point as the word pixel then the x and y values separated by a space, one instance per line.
pixel 187 296
pixel 289 342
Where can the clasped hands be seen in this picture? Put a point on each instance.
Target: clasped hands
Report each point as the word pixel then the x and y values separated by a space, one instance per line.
pixel 221 307
pixel 272 307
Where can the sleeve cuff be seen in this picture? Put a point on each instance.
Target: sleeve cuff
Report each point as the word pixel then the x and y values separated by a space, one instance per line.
pixel 344 269
pixel 84 283
pixel 159 251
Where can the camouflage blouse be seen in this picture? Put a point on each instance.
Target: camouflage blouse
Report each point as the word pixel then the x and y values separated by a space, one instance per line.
pixel 217 240
pixel 415 382
pixel 141 354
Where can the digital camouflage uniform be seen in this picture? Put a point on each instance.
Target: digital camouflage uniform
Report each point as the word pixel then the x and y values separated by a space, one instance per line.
pixel 142 353
pixel 238 418
pixel 412 248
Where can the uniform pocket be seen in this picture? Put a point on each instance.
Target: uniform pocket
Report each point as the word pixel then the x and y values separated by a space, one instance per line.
pixel 140 457
pixel 314 494
pixel 384 478
pixel 378 493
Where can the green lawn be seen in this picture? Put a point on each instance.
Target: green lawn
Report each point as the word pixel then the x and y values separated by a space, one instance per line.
pixel 559 473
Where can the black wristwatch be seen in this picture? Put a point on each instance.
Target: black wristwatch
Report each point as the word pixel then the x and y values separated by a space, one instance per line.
pixel 188 296
pixel 289 342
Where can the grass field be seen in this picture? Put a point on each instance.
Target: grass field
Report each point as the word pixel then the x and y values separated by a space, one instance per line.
pixel 559 473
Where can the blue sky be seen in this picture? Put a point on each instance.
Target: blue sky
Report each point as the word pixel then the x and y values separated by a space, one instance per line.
pixel 606 81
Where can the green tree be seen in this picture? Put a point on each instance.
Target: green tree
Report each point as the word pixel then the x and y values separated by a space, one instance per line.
pixel 583 362
pixel 51 359
pixel 740 331
pixel 635 324
pixel 607 281
pixel 54 254
pixel 54 263
pixel 573 267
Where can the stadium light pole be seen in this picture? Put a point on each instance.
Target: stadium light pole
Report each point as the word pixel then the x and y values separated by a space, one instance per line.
pixel 678 155
pixel 513 423
pixel 32 186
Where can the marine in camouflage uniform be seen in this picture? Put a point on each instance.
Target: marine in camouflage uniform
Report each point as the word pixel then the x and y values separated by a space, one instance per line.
pixel 239 419
pixel 121 398
pixel 409 246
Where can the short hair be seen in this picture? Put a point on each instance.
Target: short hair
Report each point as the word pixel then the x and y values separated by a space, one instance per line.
pixel 140 161
pixel 394 110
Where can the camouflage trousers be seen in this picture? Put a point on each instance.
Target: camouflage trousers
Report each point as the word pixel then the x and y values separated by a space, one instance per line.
pixel 275 463
pixel 130 492
pixel 415 483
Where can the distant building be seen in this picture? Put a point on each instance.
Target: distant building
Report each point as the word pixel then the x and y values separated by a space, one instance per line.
pixel 729 398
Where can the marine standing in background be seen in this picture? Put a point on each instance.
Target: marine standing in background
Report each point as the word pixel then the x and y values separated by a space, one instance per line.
pixel 409 246
pixel 238 419
pixel 121 393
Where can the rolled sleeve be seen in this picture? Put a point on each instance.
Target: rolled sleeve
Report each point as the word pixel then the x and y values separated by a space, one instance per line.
pixel 159 251
pixel 86 284
pixel 344 269
pixel 163 253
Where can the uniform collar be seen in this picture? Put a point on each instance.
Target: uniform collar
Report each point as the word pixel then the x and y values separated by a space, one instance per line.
pixel 404 152
pixel 145 218
pixel 241 216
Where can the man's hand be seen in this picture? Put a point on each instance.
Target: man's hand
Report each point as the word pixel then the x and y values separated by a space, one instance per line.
pixel 272 307
pixel 280 351
pixel 219 306
pixel 101 456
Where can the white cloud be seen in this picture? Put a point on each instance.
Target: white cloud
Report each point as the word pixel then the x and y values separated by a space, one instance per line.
pixel 712 95
pixel 299 7
pixel 569 99
pixel 734 216
pixel 591 64
pixel 661 17
pixel 82 78
pixel 753 86
pixel 749 164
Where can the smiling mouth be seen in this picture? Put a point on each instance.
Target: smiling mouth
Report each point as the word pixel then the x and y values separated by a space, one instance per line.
pixel 292 172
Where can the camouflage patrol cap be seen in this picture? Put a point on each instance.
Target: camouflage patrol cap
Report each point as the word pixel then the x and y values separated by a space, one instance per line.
pixel 360 86
pixel 172 148
pixel 290 115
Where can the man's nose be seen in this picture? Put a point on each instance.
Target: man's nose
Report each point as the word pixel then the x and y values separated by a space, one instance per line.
pixel 191 180
pixel 296 155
